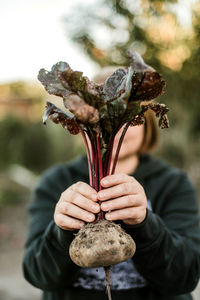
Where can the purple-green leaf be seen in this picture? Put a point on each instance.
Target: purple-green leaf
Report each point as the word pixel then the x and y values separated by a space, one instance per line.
pixel 160 111
pixel 147 84
pixel 58 116
pixel 51 81
pixel 83 112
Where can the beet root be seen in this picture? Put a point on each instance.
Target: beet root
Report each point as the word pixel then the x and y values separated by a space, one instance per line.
pixel 101 244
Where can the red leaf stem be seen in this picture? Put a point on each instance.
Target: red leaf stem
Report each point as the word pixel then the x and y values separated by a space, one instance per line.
pixel 108 158
pixel 99 161
pixel 101 214
pixel 119 147
pixel 90 165
pixel 95 164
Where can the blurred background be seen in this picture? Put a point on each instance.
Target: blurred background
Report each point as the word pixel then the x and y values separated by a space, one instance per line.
pixel 88 35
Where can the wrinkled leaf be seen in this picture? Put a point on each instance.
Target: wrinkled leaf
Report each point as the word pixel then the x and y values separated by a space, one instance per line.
pixel 113 113
pixel 160 111
pixel 114 86
pixel 51 81
pixel 133 109
pixel 83 112
pixel 63 81
pixel 81 86
pixel 147 84
pixel 58 116
pixel 138 63
pixel 149 88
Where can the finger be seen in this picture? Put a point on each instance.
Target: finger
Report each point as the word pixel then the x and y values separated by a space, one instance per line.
pixel 74 211
pixel 135 213
pixel 116 191
pixel 85 189
pixel 121 202
pixel 67 223
pixel 116 179
pixel 85 203
pixel 81 201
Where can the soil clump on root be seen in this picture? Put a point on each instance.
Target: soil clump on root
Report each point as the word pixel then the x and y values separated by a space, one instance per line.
pixel 101 244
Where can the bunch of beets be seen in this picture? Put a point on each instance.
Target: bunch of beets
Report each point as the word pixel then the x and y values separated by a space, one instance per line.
pixel 98 112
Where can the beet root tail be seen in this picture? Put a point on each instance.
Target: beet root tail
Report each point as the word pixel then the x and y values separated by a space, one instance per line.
pixel 107 272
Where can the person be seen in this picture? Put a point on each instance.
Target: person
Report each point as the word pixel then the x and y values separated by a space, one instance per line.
pixel 154 202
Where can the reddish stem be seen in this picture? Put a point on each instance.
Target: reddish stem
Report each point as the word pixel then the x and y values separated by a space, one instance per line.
pixel 96 166
pixel 90 166
pixel 101 214
pixel 94 160
pixel 119 147
pixel 108 158
pixel 99 162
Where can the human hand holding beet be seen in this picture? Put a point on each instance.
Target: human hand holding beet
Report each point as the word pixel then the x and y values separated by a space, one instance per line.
pixel 76 206
pixel 124 197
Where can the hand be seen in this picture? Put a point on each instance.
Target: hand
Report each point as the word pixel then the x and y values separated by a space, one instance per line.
pixel 76 206
pixel 124 196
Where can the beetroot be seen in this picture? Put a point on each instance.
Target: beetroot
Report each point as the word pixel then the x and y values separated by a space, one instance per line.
pixel 101 244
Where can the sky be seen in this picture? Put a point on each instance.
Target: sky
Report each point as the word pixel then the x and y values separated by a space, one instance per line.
pixel 32 36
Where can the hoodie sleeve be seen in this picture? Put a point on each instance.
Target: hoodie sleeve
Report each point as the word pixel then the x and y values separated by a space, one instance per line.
pixel 46 263
pixel 168 245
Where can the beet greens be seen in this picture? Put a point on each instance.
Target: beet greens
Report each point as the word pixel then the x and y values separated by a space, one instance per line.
pixel 99 111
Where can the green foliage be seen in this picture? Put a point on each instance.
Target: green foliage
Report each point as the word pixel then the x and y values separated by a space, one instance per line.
pixel 33 145
pixel 10 196
pixel 11 192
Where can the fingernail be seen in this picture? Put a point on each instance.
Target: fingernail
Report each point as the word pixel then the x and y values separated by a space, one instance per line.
pixel 90 217
pixel 101 195
pixel 107 216
pixel 104 182
pixel 104 207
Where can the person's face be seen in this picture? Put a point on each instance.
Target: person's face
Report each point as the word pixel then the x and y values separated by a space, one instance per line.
pixel 132 141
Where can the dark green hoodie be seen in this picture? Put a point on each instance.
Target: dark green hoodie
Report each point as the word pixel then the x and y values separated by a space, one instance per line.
pixel 167 258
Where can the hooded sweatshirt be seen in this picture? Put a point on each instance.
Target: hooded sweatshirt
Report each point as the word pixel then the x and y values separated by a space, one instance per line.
pixel 166 265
